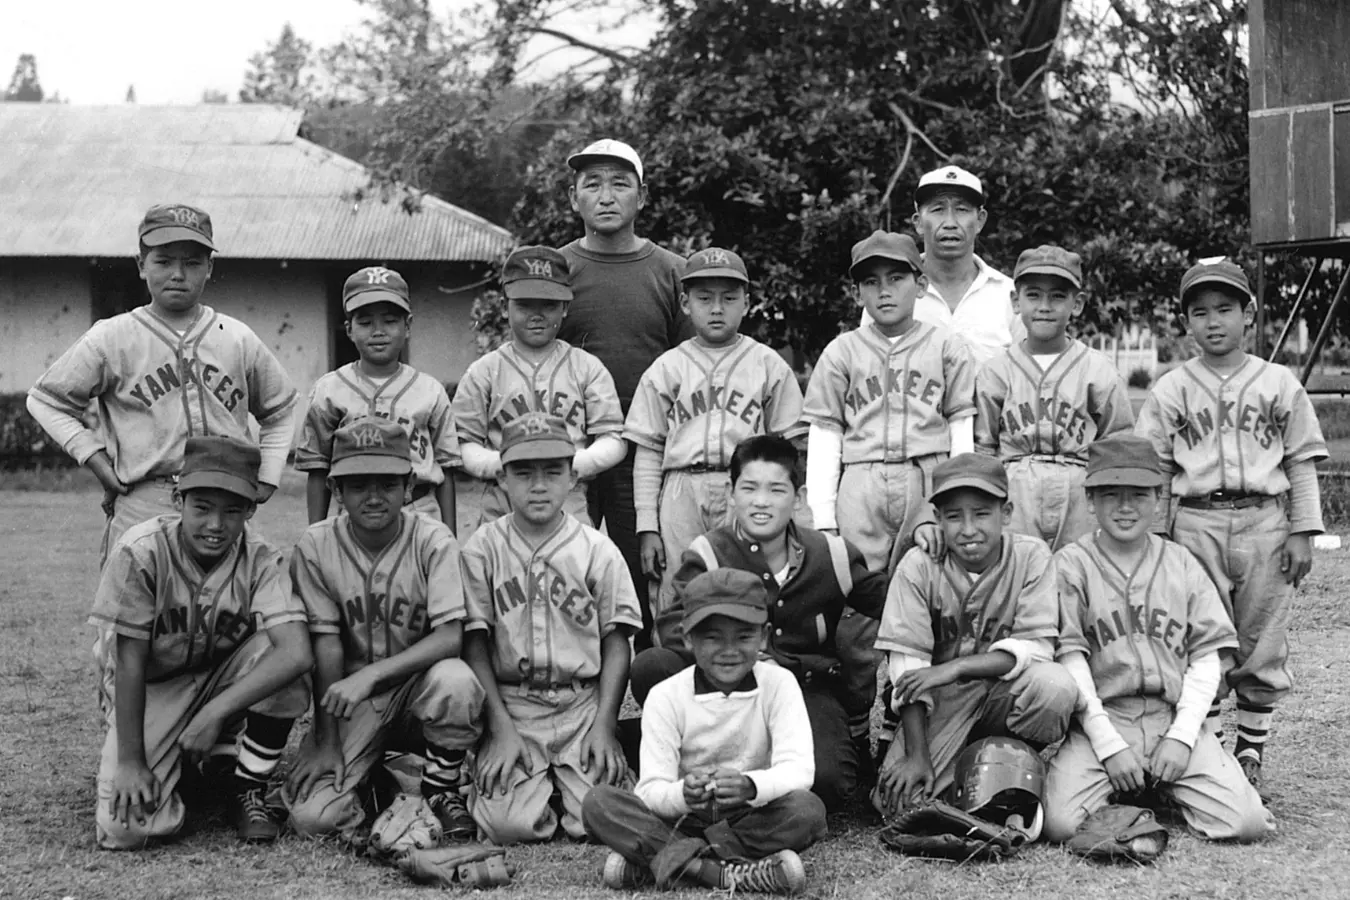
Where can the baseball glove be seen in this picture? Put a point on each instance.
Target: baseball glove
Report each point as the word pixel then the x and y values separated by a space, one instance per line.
pixel 408 824
pixel 468 865
pixel 940 830
pixel 1120 834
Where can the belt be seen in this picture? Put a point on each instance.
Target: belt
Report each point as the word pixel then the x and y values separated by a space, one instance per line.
pixel 1228 500
pixel 1056 458
pixel 422 490
pixel 701 469
pixel 577 685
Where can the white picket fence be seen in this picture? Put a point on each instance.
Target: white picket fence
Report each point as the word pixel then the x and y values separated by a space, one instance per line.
pixel 1136 348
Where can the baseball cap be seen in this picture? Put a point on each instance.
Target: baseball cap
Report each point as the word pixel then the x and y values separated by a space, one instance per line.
pixel 734 593
pixel 948 178
pixel 536 273
pixel 1216 270
pixel 607 150
pixel 371 447
pixel 886 245
pixel 375 284
pixel 221 462
pixel 169 222
pixel 970 470
pixel 1125 459
pixel 714 262
pixel 536 436
pixel 1047 259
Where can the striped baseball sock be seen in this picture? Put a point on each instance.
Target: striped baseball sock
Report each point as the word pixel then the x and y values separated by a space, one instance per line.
pixel 442 769
pixel 260 748
pixel 1214 720
pixel 1253 727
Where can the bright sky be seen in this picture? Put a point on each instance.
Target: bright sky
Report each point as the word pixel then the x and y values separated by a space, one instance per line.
pixel 91 50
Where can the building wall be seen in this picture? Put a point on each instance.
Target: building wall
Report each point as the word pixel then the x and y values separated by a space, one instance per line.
pixel 442 342
pixel 44 308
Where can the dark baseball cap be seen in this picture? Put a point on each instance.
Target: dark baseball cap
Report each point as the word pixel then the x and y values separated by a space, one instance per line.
pixel 1214 271
pixel 536 436
pixel 225 463
pixel 169 222
pixel 970 470
pixel 1125 459
pixel 375 284
pixel 714 262
pixel 886 245
pixel 1048 259
pixel 371 447
pixel 734 593
pixel 536 273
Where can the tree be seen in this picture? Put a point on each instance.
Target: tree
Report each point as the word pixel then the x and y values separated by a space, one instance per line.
pixel 211 95
pixel 24 84
pixel 131 93
pixel 282 73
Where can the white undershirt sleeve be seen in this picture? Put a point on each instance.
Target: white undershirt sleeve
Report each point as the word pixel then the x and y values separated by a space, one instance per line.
pixel 479 461
pixel 67 430
pixel 604 453
pixel 647 475
pixel 274 442
pixel 962 433
pixel 1105 739
pixel 1198 687
pixel 824 462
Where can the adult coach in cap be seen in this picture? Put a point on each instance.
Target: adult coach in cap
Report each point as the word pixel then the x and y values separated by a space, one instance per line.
pixel 964 292
pixel 625 310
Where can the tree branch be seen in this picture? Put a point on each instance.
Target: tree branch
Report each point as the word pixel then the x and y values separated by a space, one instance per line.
pixel 613 55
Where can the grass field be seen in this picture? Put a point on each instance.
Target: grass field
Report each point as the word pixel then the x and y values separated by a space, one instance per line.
pixel 51 734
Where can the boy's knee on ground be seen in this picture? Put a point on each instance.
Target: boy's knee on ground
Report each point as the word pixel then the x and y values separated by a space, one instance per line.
pixel 508 820
pixel 1047 695
pixel 162 823
pixel 803 816
pixel 604 808
pixel 1061 822
pixel 651 667
pixel 835 783
pixel 326 810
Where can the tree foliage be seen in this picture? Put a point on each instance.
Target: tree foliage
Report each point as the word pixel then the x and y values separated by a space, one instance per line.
pixel 24 84
pixel 282 73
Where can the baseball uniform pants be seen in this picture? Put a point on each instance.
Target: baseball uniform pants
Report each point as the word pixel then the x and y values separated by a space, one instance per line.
pixel 836 757
pixel 169 707
pixel 1240 550
pixel 427 505
pixel 142 502
pixel 446 700
pixel 1048 500
pixel 619 820
pixel 1035 707
pixel 1215 799
pixel 692 503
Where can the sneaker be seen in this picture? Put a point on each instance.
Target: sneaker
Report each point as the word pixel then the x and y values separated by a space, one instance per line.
pixel 453 814
pixel 622 875
pixel 252 821
pixel 782 873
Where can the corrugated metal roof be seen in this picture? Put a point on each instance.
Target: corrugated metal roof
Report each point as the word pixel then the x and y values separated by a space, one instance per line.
pixel 75 180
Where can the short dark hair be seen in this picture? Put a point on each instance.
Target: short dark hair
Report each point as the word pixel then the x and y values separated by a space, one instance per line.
pixel 1238 296
pixel 143 249
pixel 770 448
pixel 340 480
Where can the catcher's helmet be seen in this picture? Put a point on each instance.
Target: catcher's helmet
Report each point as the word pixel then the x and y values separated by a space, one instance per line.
pixel 999 778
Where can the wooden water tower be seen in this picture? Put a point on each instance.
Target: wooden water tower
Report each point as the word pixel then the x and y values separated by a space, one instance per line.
pixel 1299 141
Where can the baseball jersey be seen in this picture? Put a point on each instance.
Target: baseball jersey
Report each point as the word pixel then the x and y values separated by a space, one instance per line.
pixel 155 388
pixel 892 401
pixel 1233 432
pixel 153 589
pixel 569 383
pixel 696 403
pixel 411 398
pixel 1139 629
pixel 382 603
pixel 1024 410
pixel 547 607
pixel 937 611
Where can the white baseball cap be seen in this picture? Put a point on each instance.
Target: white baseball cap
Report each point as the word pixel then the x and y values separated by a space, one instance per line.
pixel 607 150
pixel 948 178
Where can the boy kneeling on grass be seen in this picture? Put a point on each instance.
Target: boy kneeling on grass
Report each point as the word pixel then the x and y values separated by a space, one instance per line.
pixel 727 761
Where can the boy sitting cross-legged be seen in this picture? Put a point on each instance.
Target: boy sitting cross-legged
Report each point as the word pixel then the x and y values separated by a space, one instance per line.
pixel 727 760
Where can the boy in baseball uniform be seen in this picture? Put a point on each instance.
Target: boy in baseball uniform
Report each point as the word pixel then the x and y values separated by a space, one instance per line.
pixel 536 372
pixel 691 409
pixel 378 311
pixel 1141 630
pixel 811 578
pixel 970 639
pixel 160 374
pixel 1235 435
pixel 726 760
pixel 382 587
pixel 551 609
pixel 1039 403
pixel 198 631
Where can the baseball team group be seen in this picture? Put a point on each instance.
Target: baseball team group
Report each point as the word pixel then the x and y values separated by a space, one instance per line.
pixel 961 521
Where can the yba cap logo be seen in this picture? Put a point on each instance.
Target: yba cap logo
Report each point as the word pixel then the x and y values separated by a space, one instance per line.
pixel 539 268
pixel 184 216
pixel 378 275
pixel 716 257
pixel 368 438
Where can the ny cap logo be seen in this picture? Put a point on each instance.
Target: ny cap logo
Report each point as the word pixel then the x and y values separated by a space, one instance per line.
pixel 378 275
pixel 368 437
pixel 716 257
pixel 534 424
pixel 184 216
pixel 538 267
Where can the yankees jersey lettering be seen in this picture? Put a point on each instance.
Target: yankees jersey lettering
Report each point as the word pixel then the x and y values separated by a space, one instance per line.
pixel 892 401
pixel 936 611
pixel 568 382
pixel 155 388
pixel 696 403
pixel 411 398
pixel 1230 432
pixel 1024 410
pixel 382 603
pixel 1139 629
pixel 153 589
pixel 547 607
